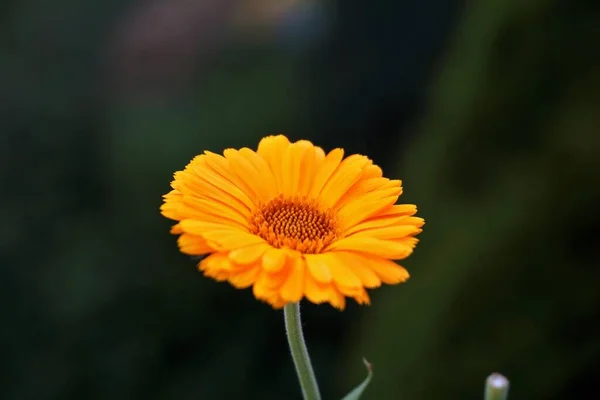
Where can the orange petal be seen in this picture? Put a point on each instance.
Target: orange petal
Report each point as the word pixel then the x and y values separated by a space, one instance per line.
pixel 245 277
pixel 360 188
pixel 372 171
pixel 362 297
pixel 249 254
pixel 348 172
pixel 316 292
pixel 265 174
pixel 223 167
pixel 290 165
pixel 216 211
pixel 368 206
pixel 193 245
pixel 176 229
pixel 416 221
pixel 398 210
pixel 311 162
pixel 319 293
pixel 262 181
pixel 388 271
pixel 267 285
pixel 342 275
pixel 339 184
pixel 185 209
pixel 230 240
pixel 336 298
pixel 318 267
pixel 366 275
pixel 379 222
pixel 271 149
pixel 328 166
pixel 201 179
pixel 199 227
pixel 395 250
pixel 390 232
pixel 218 275
pixel 273 259
pixel 216 266
pixel 219 236
pixel 293 288
pixel 319 156
pixel 277 302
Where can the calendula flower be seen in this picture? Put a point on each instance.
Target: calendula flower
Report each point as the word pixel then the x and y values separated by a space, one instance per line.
pixel 293 222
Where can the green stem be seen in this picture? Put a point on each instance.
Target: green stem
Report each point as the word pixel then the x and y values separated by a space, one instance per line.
pixel 293 328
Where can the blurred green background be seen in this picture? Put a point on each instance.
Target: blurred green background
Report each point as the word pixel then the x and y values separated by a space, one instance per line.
pixel 488 110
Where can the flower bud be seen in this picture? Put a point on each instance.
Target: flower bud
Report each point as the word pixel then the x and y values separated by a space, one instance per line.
pixel 496 387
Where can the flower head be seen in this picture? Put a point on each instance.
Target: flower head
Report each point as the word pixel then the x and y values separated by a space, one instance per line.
pixel 293 222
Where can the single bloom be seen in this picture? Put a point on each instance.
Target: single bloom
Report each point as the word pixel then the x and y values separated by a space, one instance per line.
pixel 293 222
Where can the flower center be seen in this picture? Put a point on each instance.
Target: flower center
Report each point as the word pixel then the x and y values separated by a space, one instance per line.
pixel 295 223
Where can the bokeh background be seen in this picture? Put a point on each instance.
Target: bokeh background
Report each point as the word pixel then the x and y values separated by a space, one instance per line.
pixel 488 110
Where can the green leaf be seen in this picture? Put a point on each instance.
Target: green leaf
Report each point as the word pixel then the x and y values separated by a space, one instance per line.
pixel 357 391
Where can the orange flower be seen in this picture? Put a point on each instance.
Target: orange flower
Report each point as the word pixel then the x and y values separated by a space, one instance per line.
pixel 293 222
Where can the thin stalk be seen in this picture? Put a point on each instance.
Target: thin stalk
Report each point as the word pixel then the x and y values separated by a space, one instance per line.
pixel 304 370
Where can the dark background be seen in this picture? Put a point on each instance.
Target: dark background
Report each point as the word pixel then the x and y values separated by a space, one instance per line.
pixel 488 110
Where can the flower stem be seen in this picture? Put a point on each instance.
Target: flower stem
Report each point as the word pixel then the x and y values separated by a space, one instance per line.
pixel 293 328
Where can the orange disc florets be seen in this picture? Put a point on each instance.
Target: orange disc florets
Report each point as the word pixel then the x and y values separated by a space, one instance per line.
pixel 295 223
